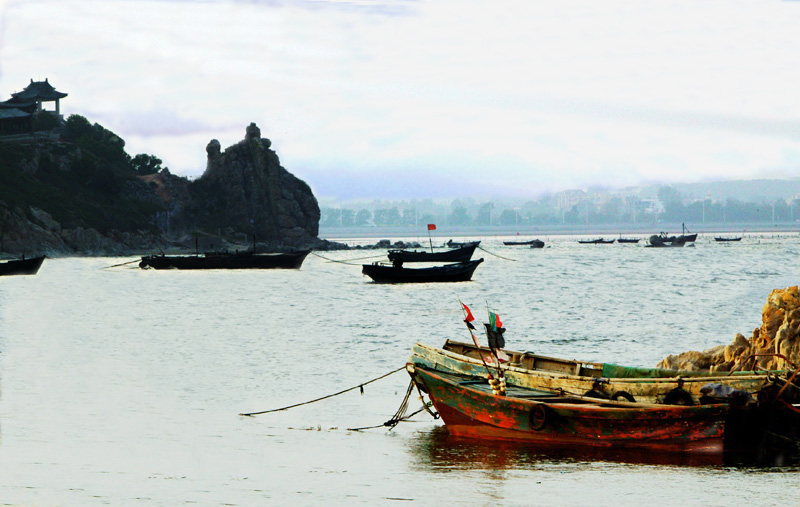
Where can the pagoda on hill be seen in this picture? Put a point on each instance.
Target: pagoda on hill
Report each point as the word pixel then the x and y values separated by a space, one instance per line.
pixel 16 113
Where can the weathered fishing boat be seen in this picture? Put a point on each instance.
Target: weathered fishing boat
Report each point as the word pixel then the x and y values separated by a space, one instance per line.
pixel 226 260
pixel 604 380
pixel 470 409
pixel 458 272
pixel 21 266
pixel 598 241
pixel 461 254
pixel 534 243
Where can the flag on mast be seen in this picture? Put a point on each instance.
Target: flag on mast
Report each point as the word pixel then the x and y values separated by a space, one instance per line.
pixel 494 320
pixel 468 318
pixel 431 227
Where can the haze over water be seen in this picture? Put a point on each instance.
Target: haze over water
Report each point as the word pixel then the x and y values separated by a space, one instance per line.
pixel 123 386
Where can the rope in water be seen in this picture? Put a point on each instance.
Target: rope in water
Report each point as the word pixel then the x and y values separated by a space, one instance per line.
pixel 500 256
pixel 359 386
pixel 347 261
pixel 400 415
pixel 123 264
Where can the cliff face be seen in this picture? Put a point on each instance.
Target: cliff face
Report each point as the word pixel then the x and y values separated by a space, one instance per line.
pixel 245 189
pixel 79 194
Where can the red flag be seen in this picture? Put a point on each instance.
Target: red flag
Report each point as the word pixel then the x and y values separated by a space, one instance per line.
pixel 469 317
pixel 431 227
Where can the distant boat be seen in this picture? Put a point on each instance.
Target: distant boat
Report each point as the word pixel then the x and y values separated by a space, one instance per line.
pixel 627 240
pixel 461 254
pixel 461 244
pixel 226 260
pixel 598 241
pixel 728 239
pixel 384 273
pixel 21 266
pixel 662 240
pixel 534 243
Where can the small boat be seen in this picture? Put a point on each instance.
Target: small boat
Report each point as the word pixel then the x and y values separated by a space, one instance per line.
pixel 226 260
pixel 598 241
pixel 21 266
pixel 662 240
pixel 627 240
pixel 469 408
pixel 461 254
pixel 600 380
pixel 738 238
pixel 534 243
pixel 384 273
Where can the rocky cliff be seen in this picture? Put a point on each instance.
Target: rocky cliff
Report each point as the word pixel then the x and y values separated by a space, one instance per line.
pixel 773 346
pixel 78 193
pixel 245 189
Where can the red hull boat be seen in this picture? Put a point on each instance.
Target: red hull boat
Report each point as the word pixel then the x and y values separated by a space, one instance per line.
pixel 469 409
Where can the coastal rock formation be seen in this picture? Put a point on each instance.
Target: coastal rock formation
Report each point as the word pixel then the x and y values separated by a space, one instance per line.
pixel 245 189
pixel 779 334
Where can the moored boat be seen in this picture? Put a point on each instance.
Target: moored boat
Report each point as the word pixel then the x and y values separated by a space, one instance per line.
pixel 469 408
pixel 605 380
pixel 460 254
pixel 457 272
pixel 534 243
pixel 598 241
pixel 21 266
pixel 722 239
pixel 226 260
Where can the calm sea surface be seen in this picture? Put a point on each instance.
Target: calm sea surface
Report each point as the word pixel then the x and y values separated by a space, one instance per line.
pixel 123 386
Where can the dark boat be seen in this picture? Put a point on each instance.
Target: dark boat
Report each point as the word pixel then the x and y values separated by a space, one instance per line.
pixel 384 273
pixel 462 254
pixel 728 239
pixel 226 260
pixel 662 240
pixel 534 243
pixel 469 408
pixel 598 241
pixel 21 266
pixel 627 240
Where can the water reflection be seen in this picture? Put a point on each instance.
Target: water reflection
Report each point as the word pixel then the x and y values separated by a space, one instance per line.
pixel 436 450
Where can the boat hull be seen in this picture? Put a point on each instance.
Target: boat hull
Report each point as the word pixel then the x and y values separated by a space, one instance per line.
pixel 476 413
pixel 459 272
pixel 244 260
pixel 21 266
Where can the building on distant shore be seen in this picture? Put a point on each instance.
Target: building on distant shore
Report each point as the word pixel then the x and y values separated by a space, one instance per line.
pixel 18 112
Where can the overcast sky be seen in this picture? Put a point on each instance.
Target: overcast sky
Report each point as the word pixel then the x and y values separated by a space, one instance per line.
pixel 439 98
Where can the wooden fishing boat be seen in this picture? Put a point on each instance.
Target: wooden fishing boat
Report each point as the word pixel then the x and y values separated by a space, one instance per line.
pixel 627 240
pixel 470 409
pixel 604 380
pixel 738 238
pixel 534 243
pixel 461 254
pixel 458 272
pixel 226 260
pixel 21 266
pixel 460 244
pixel 598 241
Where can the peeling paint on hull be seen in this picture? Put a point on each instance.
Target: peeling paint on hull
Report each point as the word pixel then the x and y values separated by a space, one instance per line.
pixel 472 412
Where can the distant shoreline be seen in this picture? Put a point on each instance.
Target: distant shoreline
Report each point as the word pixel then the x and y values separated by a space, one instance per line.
pixel 642 231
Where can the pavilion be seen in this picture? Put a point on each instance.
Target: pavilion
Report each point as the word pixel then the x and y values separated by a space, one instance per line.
pixel 16 113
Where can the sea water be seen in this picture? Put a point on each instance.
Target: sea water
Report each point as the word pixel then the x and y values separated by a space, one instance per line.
pixel 122 386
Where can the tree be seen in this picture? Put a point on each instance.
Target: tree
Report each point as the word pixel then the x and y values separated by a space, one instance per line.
pixel 146 164
pixel 458 216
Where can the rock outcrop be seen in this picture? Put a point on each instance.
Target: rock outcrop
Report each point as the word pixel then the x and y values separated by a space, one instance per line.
pixel 245 189
pixel 769 347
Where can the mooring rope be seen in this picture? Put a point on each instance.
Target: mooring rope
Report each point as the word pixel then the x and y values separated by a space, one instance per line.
pixel 359 386
pixel 123 264
pixel 400 415
pixel 500 256
pixel 347 261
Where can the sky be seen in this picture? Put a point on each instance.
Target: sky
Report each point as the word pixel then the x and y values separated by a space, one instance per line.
pixel 401 99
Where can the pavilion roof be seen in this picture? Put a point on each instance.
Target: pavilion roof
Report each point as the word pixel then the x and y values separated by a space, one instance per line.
pixel 39 90
pixel 12 113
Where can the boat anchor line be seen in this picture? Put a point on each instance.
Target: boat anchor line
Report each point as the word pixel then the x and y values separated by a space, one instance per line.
pixel 498 256
pixel 123 264
pixel 348 261
pixel 400 415
pixel 359 386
